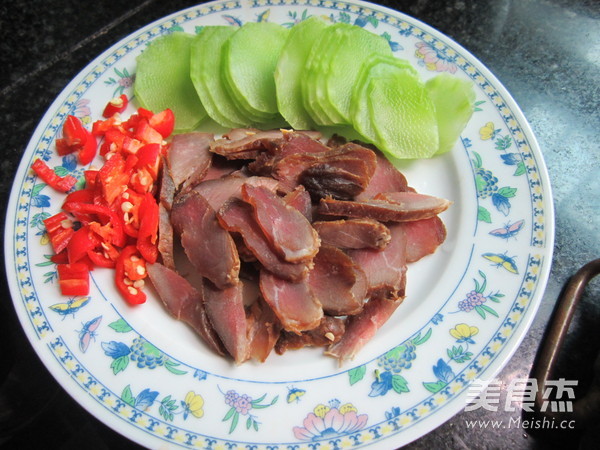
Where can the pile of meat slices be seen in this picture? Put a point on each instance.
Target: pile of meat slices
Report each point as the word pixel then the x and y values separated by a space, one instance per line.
pixel 297 242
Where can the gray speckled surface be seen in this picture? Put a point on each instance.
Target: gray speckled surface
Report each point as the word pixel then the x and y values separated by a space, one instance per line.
pixel 546 53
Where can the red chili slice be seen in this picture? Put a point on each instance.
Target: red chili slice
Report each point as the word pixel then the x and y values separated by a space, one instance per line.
pixel 81 242
pixel 147 234
pixel 74 279
pixel 132 295
pixel 116 105
pixel 48 176
pixel 109 216
pixel 163 122
pixel 60 230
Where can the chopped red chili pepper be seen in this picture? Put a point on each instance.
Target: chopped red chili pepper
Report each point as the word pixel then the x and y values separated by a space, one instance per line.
pixel 90 178
pixel 100 260
pixel 145 133
pixel 133 295
pixel 163 122
pixel 76 138
pixel 74 279
pixel 113 177
pixel 60 230
pixel 87 153
pixel 60 258
pixel 81 241
pixel 147 234
pixel 148 158
pixel 108 216
pixel 62 184
pixel 116 105
pixel 117 209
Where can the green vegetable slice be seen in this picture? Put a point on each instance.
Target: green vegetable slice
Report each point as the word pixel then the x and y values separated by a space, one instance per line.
pixel 206 57
pixel 376 66
pixel 163 80
pixel 290 71
pixel 402 115
pixel 454 101
pixel 312 73
pixel 344 68
pixel 250 59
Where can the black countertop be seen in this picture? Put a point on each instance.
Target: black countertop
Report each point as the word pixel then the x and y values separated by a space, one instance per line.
pixel 546 53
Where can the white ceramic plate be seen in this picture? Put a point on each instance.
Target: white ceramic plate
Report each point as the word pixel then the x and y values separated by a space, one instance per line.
pixel 467 307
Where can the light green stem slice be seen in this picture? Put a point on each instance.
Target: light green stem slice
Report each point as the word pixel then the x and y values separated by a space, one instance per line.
pixel 163 80
pixel 250 59
pixel 206 57
pixel 312 73
pixel 345 68
pixel 376 66
pixel 402 115
pixel 290 71
pixel 454 101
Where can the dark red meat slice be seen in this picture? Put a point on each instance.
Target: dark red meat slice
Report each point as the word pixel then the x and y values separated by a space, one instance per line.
pixel 333 281
pixel 386 178
pixel 417 206
pixel 165 237
pixel 293 142
pixel 423 237
pixel 325 180
pixel 165 229
pixel 413 207
pixel 293 303
pixel 361 328
pixel 248 146
pixel 299 198
pixel 263 331
pixel 330 330
pixel 348 155
pixel 353 233
pixel 236 217
pixel 184 302
pixel 385 269
pixel 351 162
pixel 218 191
pixel 225 310
pixel 208 246
pixel 189 158
pixel 167 186
pixel 221 167
pixel 301 142
pixel 287 230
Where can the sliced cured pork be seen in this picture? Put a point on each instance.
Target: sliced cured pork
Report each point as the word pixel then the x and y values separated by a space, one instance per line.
pixel 184 302
pixel 385 269
pixel 236 217
pixel 353 233
pixel 225 310
pixel 287 230
pixel 406 206
pixel 293 303
pixel 189 158
pixel 208 246
pixel 337 282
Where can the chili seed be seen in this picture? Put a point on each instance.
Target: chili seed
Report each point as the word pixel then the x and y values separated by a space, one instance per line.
pixel 126 206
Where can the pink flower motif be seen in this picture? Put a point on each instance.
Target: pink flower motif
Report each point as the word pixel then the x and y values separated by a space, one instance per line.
pixel 83 111
pixel 434 60
pixel 243 404
pixel 334 423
